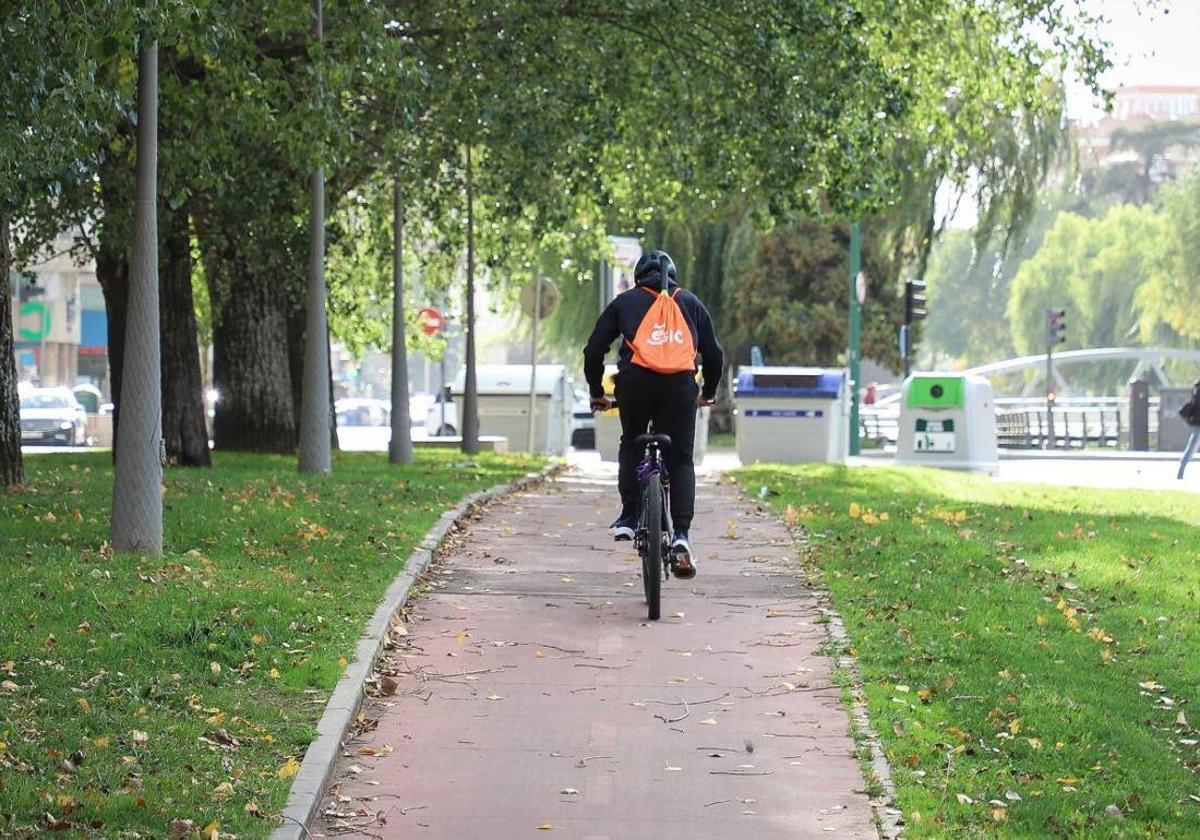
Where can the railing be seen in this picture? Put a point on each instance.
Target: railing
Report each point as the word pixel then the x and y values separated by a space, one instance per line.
pixel 1021 423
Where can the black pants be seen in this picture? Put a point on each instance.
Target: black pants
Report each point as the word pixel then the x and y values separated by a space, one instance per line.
pixel 668 399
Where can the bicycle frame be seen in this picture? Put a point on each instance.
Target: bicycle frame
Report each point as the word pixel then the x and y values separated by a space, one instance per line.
pixel 651 463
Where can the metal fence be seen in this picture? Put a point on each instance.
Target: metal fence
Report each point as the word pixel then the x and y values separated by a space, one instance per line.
pixel 1022 423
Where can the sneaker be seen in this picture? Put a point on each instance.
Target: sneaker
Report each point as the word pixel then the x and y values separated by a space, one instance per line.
pixel 623 528
pixel 683 560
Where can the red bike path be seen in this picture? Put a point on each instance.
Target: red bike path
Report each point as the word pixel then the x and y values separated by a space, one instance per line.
pixel 532 698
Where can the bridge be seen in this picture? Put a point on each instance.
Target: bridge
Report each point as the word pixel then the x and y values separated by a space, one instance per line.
pixel 1145 359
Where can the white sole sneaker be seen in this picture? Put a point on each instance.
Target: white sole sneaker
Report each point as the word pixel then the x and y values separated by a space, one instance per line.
pixel 683 560
pixel 621 533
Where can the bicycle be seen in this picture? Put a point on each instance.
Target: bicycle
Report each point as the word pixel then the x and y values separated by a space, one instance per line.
pixel 654 532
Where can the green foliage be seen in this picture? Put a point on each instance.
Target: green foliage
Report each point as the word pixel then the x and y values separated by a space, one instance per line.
pixel 794 299
pixel 1091 268
pixel 969 289
pixel 1169 302
pixel 1013 638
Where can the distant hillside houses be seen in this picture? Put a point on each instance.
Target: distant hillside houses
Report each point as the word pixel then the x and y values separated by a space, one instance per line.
pixel 1158 125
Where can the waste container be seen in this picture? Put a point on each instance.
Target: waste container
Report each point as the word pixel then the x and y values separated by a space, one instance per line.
pixel 948 420
pixel 790 415
pixel 608 427
pixel 1173 433
pixel 504 405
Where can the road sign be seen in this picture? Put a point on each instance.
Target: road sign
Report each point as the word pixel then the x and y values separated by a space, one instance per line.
pixel 860 287
pixel 431 320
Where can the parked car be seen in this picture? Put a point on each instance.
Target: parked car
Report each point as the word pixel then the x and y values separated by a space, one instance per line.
pixel 355 411
pixel 52 415
pixel 441 420
pixel 583 422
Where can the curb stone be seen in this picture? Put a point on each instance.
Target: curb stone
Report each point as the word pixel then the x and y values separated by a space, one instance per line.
pixel 889 820
pixel 308 787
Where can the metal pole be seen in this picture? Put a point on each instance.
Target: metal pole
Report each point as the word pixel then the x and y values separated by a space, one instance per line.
pixel 855 332
pixel 1049 443
pixel 533 348
pixel 442 392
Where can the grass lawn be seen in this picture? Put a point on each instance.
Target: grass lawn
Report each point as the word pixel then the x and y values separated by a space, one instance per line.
pixel 1031 655
pixel 137 691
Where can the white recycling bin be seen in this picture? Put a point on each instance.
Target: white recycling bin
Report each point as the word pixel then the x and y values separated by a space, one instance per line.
pixel 504 405
pixel 948 420
pixel 791 415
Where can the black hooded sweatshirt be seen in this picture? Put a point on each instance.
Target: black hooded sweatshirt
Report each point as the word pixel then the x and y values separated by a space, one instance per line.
pixel 624 314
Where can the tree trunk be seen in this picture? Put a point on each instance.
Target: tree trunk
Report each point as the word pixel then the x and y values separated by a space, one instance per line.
pixel 184 432
pixel 12 470
pixel 400 448
pixel 137 489
pixel 250 357
pixel 315 455
pixel 470 419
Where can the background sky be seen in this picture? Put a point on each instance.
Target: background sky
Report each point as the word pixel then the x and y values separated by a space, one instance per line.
pixel 1153 44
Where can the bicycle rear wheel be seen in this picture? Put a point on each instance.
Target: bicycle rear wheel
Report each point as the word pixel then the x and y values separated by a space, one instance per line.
pixel 652 553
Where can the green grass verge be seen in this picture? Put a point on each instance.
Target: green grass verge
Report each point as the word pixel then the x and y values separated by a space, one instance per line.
pixel 722 440
pixel 135 691
pixel 1030 654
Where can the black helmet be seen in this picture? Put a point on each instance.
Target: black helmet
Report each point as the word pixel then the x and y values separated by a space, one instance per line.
pixel 651 263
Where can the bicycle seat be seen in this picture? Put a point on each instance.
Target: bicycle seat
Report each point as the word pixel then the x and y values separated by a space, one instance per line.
pixel 658 438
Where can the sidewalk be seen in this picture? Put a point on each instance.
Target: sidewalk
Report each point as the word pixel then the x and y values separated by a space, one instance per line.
pixel 533 698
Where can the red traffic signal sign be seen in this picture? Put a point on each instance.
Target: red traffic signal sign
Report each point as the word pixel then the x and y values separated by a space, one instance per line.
pixel 431 320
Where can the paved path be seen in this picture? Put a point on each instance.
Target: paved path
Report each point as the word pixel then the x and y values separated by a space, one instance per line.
pixel 535 700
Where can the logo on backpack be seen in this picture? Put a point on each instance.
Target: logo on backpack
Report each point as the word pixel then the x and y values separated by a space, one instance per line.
pixel 664 341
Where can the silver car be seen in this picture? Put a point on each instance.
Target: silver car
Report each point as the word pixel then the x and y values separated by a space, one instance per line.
pixel 52 415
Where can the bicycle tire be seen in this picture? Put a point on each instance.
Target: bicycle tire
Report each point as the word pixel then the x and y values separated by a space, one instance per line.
pixel 652 556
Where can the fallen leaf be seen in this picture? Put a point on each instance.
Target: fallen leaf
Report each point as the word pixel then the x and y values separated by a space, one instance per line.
pixel 288 769
pixel 139 738
pixel 708 722
pixel 545 827
pixel 388 685
pixel 180 828
pixel 963 799
pixel 495 697
pixel 211 831
pixel 222 791
pixel 855 510
pixel 84 704
pixel 569 791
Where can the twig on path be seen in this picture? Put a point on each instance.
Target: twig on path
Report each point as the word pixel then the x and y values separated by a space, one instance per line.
pixel 588 688
pixel 303 827
pixel 686 712
pixel 789 735
pixel 583 761
pixel 606 667
pixel 682 702
pixel 740 773
pixel 718 802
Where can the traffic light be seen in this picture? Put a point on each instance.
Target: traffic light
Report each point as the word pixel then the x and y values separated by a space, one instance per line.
pixel 914 300
pixel 1056 326
pixel 28 288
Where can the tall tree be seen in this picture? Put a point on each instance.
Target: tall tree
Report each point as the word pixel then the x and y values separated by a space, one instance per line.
pixel 400 448
pixel 137 494
pixel 315 455
pixel 52 107
pixel 11 467
pixel 1169 302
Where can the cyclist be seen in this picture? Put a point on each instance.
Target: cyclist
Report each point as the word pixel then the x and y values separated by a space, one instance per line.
pixel 663 329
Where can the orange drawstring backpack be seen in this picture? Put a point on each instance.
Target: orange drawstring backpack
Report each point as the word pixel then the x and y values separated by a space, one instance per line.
pixel 664 342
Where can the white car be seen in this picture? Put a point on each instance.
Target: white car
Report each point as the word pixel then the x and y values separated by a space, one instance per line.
pixel 52 415
pixel 441 419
